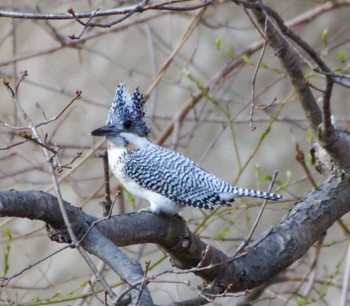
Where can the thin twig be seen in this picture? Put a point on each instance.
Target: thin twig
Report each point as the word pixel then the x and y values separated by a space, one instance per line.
pixel 300 158
pixel 85 24
pixel 99 220
pixel 107 203
pixel 308 83
pixel 137 8
pixel 193 25
pixel 326 111
pixel 68 165
pixel 252 96
pixel 29 137
pixel 77 97
pixel 311 275
pixel 247 240
pixel 13 145
pixel 5 280
pixel 56 185
pixel 346 278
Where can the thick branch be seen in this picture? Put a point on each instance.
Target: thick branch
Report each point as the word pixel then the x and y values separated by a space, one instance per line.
pixel 43 206
pixel 291 63
pixel 285 243
pixel 337 146
pixel 97 244
pixel 278 248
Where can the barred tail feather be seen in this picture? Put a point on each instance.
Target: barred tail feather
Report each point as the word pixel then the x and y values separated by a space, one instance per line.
pixel 242 192
pixel 257 194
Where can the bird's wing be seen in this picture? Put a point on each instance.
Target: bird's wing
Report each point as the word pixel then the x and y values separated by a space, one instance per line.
pixel 176 177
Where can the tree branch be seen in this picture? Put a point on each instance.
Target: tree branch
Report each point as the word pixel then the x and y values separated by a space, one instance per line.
pixel 140 7
pixel 44 206
pixel 291 64
pixel 278 247
pixel 336 143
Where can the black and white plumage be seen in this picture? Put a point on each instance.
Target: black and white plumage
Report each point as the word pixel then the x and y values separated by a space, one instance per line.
pixel 166 178
pixel 127 110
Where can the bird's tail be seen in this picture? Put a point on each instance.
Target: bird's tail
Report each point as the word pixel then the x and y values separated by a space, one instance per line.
pixel 242 192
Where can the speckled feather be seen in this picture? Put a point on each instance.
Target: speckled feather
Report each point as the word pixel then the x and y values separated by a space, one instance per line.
pixel 128 107
pixel 166 178
pixel 178 178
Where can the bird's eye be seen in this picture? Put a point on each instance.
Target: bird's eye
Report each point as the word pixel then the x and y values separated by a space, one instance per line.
pixel 127 124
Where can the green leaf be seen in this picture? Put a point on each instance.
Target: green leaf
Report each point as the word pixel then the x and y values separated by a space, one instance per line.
pixel 325 34
pixel 6 232
pixel 266 178
pixel 222 233
pixel 203 88
pixel 309 135
pixel 326 284
pixel 309 74
pixel 301 301
pixel 246 59
pixel 257 169
pixel 309 159
pixel 341 55
pixel 57 293
pixel 264 133
pixel 277 70
pixel 229 53
pixel 6 267
pixel 285 184
pixel 264 65
pixel 35 299
pixel 337 267
pixel 218 43
pixel 130 198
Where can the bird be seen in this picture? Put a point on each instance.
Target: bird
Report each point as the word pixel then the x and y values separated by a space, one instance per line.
pixel 167 179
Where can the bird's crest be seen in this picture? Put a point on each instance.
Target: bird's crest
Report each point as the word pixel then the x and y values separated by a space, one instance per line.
pixel 128 107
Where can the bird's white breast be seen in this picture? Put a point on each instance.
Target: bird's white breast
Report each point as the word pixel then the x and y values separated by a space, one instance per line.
pixel 158 202
pixel 117 151
pixel 115 158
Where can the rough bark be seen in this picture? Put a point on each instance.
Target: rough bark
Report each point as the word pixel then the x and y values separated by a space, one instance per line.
pixel 274 251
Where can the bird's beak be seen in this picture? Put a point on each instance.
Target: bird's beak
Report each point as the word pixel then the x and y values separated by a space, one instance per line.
pixel 105 131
